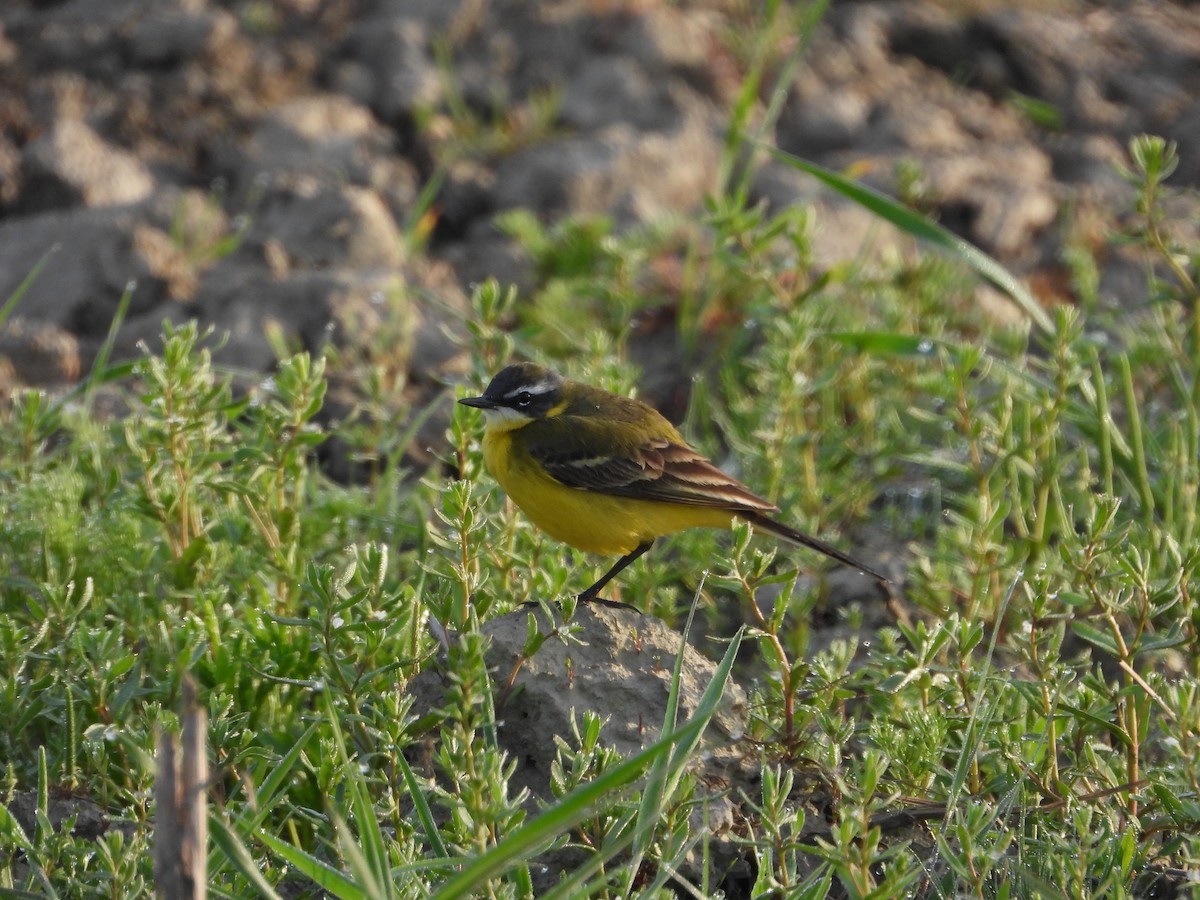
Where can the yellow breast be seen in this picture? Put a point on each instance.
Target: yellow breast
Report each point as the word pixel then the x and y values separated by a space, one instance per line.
pixel 597 523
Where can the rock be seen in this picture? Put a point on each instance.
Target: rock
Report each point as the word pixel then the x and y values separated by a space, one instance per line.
pixel 197 222
pixel 629 174
pixel 662 40
pixel 1185 131
pixel 1000 198
pixel 89 820
pixel 165 36
pixel 1091 162
pixel 59 96
pixel 485 253
pixel 179 143
pixel 40 354
pixel 71 165
pixel 315 225
pixel 328 140
pixel 617 664
pixel 854 106
pixel 823 121
pixel 94 256
pixel 77 35
pixel 307 309
pixel 466 197
pixel 610 90
pixel 9 54
pixel 396 74
pixel 322 135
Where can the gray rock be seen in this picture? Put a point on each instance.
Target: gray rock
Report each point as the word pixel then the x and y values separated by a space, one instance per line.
pixel 832 119
pixel 436 15
pixel 618 665
pixel 485 252
pixel 305 308
pixel 307 223
pixel 95 255
pixel 71 165
pixel 562 176
pixel 326 138
pixel 395 70
pixel 89 819
pixel 633 175
pixel 1091 162
pixel 323 131
pixel 322 135
pixel 662 38
pixel 40 353
pixel 166 35
pixel 78 34
pixel 1185 131
pixel 610 90
pixel 465 199
pixel 856 106
pixel 1000 198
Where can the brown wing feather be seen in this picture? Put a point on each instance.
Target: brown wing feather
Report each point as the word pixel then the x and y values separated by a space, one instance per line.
pixel 657 470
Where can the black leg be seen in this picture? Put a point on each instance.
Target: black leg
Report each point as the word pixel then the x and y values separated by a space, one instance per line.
pixel 594 591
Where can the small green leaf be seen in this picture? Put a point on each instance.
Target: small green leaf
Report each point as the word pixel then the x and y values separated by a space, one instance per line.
pixel 1099 638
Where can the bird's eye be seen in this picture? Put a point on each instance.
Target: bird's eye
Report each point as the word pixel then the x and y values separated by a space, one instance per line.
pixel 524 398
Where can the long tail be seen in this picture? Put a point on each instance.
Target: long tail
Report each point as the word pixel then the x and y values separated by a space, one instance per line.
pixel 799 537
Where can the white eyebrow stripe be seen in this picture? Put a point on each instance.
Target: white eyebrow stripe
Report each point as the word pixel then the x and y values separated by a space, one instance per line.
pixel 538 388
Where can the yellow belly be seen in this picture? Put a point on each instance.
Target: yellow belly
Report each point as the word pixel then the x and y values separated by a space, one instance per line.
pixel 597 523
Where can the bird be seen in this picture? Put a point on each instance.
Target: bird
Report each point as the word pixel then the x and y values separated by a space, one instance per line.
pixel 608 474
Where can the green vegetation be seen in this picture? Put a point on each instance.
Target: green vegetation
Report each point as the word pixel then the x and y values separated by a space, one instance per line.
pixel 1028 724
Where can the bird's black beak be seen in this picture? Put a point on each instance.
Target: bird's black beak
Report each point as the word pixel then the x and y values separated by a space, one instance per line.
pixel 477 402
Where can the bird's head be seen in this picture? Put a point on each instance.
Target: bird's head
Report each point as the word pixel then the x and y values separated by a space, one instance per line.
pixel 519 394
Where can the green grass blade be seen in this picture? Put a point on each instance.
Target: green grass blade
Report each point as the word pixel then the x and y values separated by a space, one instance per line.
pixel 575 884
pixel 581 802
pixel 263 802
pixel 320 873
pixel 100 364
pixel 656 791
pixel 278 777
pixel 15 837
pixel 666 773
pixel 15 298
pixel 234 852
pixel 371 845
pixel 574 808
pixel 1141 472
pixel 710 701
pixel 923 229
pixel 368 879
pixel 421 804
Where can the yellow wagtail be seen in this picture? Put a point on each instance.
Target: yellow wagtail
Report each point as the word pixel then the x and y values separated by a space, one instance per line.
pixel 608 474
